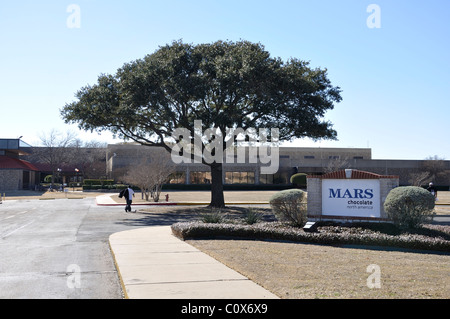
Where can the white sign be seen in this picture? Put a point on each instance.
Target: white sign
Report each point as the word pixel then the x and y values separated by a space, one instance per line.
pixel 351 197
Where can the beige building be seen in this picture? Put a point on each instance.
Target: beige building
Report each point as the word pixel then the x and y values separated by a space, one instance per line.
pixel 291 160
pixel 16 173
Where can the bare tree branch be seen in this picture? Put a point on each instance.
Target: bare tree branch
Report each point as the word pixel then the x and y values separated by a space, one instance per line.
pixel 150 174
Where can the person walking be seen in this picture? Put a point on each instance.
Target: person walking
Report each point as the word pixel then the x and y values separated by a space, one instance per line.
pixel 128 193
pixel 433 190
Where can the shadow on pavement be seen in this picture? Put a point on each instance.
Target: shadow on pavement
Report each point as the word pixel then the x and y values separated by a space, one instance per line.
pixel 168 216
pixel 156 219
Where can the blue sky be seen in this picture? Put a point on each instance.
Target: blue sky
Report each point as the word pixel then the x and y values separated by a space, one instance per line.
pixel 395 79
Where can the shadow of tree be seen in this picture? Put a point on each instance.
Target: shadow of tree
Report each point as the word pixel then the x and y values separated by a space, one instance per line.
pixel 165 217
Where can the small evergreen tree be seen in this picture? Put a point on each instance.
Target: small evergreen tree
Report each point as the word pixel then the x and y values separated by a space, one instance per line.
pixel 299 180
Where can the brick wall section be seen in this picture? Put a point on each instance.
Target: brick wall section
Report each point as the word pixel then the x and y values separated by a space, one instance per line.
pixel 314 196
pixel 11 180
pixel 387 183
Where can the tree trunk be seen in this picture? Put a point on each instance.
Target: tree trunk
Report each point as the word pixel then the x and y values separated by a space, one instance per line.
pixel 157 192
pixel 217 198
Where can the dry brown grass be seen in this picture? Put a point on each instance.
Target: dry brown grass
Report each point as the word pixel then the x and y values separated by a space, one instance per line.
pixel 296 271
pixel 443 203
pixel 293 270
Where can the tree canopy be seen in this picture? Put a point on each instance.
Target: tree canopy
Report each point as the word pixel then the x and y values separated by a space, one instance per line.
pixel 223 84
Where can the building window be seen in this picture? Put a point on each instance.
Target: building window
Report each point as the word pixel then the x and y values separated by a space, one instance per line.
pixel 358 157
pixel 309 157
pixel 266 179
pixel 78 179
pixel 240 178
pixel 201 178
pixel 279 178
pixel 177 178
pixel 335 157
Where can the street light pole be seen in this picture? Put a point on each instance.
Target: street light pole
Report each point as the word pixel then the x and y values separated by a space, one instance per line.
pixel 76 178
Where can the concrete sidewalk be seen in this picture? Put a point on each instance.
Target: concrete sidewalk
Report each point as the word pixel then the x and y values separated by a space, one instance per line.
pixel 154 264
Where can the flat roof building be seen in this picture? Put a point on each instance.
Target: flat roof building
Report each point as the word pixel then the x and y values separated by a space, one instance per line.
pixel 17 173
pixel 292 160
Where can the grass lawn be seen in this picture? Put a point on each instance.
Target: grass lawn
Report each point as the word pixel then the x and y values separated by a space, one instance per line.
pixel 294 270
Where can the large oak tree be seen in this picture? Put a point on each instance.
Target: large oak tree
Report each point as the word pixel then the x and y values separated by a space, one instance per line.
pixel 223 84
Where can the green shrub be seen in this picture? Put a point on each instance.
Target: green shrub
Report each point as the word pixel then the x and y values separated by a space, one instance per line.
pixel 299 179
pixel 214 217
pixel 410 206
pixel 107 187
pixel 290 205
pixel 96 182
pixel 252 217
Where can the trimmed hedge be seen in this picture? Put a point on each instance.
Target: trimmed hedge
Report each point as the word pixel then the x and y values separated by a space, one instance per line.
pixel 299 179
pixel 117 187
pixel 97 182
pixel 334 236
pixel 410 206
pixel 290 205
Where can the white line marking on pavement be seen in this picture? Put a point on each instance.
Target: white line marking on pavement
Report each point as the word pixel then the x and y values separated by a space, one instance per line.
pixel 17 229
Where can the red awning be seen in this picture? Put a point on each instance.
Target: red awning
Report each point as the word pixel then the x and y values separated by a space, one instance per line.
pixel 7 162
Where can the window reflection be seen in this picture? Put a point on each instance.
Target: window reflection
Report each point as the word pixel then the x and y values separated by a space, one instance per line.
pixel 201 177
pixel 240 178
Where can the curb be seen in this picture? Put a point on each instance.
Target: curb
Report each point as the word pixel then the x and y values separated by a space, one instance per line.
pixel 122 284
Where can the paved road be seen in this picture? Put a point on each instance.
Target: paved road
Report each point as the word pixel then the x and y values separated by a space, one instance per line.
pixel 442 220
pixel 59 248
